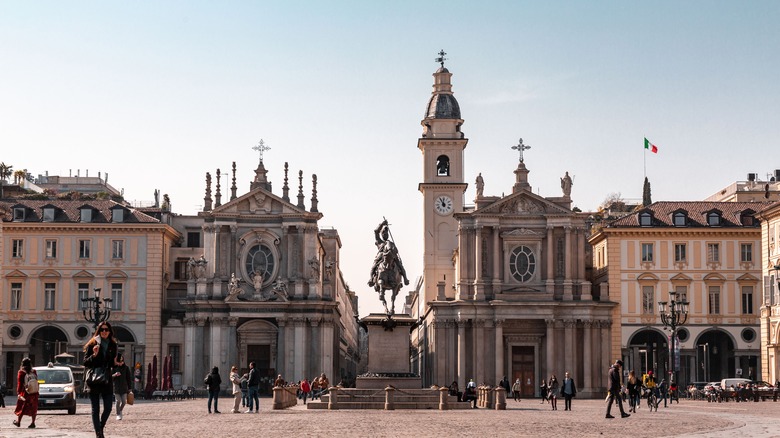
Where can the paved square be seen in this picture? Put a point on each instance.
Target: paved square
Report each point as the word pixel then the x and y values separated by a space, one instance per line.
pixel 189 418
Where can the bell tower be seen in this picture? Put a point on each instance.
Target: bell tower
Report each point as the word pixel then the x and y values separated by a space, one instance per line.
pixel 442 144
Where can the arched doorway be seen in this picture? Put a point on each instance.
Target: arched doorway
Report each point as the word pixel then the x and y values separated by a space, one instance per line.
pixel 47 342
pixel 715 356
pixel 648 350
pixel 257 342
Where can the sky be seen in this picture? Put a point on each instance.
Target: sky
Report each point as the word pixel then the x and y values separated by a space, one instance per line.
pixel 157 93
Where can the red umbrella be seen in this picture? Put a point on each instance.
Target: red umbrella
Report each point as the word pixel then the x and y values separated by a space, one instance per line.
pixel 149 389
pixel 154 372
pixel 166 371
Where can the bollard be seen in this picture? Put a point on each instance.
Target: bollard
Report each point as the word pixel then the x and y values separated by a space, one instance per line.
pixel 443 393
pixel 500 399
pixel 333 395
pixel 277 400
pixel 389 398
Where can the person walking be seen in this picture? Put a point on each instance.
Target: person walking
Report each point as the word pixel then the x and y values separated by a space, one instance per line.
pixel 2 394
pixel 554 387
pixel 504 383
pixel 569 391
pixel 634 387
pixel 315 388
pixel 614 390
pixel 663 388
pixel 516 388
pixel 253 385
pixel 27 398
pixel 213 381
pixel 305 389
pixel 100 355
pixel 544 391
pixel 236 380
pixel 122 377
pixel 470 394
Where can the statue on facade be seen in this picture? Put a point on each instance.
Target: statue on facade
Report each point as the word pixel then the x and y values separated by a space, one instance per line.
pixel 257 281
pixel 166 205
pixel 480 183
pixel 388 270
pixel 280 289
pixel 200 268
pixel 234 288
pixel 191 263
pixel 566 184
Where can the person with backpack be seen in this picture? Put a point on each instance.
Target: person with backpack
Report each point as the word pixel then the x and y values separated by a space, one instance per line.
pixel 212 384
pixel 27 393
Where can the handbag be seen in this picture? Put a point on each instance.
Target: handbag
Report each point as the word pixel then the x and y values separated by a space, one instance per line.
pixel 96 378
pixel 130 398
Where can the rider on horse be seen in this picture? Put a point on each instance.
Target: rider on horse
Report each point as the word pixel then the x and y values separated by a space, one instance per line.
pixel 387 255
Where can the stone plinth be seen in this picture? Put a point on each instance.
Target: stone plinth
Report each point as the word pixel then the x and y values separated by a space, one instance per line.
pixel 388 353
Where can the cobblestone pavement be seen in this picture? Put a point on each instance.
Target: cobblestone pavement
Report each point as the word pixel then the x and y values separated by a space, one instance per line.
pixel 527 418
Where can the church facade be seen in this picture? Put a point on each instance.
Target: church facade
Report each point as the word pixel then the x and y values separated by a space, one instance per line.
pixel 257 280
pixel 504 289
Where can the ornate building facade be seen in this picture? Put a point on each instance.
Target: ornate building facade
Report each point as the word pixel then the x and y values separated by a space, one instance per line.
pixel 53 253
pixel 707 252
pixel 257 280
pixel 504 289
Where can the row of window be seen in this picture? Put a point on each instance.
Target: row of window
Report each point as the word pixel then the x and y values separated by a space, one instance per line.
pixel 85 248
pixel 50 296
pixel 714 219
pixel 713 299
pixel 713 252
pixel 86 214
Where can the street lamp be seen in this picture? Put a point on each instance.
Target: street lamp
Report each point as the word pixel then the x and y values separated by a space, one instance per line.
pixel 672 318
pixel 92 311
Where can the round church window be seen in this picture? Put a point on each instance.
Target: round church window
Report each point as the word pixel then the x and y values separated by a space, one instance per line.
pixel 260 261
pixel 522 263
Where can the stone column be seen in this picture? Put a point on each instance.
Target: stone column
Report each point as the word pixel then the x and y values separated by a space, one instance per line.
pixel 479 283
pixel 585 286
pixel 316 363
pixel 199 367
pixel 461 288
pixel 232 342
pixel 496 256
pixel 550 340
pixel 233 262
pixel 189 352
pixel 439 358
pixel 216 352
pixel 479 350
pixel 550 280
pixel 281 355
pixel 587 355
pixel 499 324
pixel 606 347
pixel 461 353
pixel 568 356
pixel 301 350
pixel 328 348
pixel 567 283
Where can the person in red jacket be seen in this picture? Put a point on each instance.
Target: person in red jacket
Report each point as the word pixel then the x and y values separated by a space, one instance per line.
pixel 305 389
pixel 26 403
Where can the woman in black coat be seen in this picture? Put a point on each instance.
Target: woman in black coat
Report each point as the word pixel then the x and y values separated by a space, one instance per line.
pixel 100 355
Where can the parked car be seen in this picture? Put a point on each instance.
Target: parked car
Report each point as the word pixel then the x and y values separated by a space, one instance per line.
pixel 57 389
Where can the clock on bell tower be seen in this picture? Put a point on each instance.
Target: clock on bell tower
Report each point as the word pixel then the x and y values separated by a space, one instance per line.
pixel 443 187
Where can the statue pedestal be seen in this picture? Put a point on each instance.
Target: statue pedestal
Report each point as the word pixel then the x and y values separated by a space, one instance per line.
pixel 388 353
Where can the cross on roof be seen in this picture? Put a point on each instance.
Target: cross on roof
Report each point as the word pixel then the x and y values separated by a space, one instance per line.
pixel 441 57
pixel 521 147
pixel 261 147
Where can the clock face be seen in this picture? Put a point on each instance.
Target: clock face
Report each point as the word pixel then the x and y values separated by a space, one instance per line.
pixel 443 204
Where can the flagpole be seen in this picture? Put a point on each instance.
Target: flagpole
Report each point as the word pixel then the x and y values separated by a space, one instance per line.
pixel 644 161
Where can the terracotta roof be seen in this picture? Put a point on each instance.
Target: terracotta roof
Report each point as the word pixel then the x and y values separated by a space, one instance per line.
pixel 662 212
pixel 69 211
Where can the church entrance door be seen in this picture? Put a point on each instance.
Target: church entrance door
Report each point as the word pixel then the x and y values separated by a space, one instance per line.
pixel 523 362
pixel 261 355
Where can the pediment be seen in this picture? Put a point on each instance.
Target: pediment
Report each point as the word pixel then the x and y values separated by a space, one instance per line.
pixel 49 273
pixel 523 203
pixel 116 274
pixel 747 278
pixel 257 202
pixel 521 232
pixel 681 278
pixel 16 274
pixel 83 274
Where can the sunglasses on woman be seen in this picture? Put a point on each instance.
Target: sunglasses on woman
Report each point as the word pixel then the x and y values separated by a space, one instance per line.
pixel 105 329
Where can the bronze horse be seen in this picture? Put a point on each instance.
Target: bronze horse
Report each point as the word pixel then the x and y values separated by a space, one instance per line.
pixel 389 277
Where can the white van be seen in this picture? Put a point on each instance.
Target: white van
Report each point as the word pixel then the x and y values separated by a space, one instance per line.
pixel 57 388
pixel 735 382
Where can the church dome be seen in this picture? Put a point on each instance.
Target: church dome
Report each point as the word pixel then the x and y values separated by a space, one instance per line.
pixel 442 106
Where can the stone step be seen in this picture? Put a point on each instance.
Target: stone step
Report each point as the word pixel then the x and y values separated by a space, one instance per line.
pixel 381 405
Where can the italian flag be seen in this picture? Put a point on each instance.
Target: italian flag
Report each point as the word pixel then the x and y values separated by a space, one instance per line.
pixel 653 148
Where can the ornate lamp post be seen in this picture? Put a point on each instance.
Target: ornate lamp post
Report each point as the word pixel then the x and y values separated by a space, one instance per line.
pixel 92 311
pixel 672 318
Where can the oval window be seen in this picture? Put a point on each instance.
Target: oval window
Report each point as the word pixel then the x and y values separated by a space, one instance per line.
pixel 522 263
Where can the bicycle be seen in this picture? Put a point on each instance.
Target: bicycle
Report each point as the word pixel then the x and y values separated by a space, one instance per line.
pixel 652 400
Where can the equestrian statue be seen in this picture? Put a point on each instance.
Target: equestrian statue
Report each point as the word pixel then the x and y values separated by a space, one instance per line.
pixel 387 271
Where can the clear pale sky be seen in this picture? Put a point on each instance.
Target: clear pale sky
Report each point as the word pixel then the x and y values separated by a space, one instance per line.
pixel 159 93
